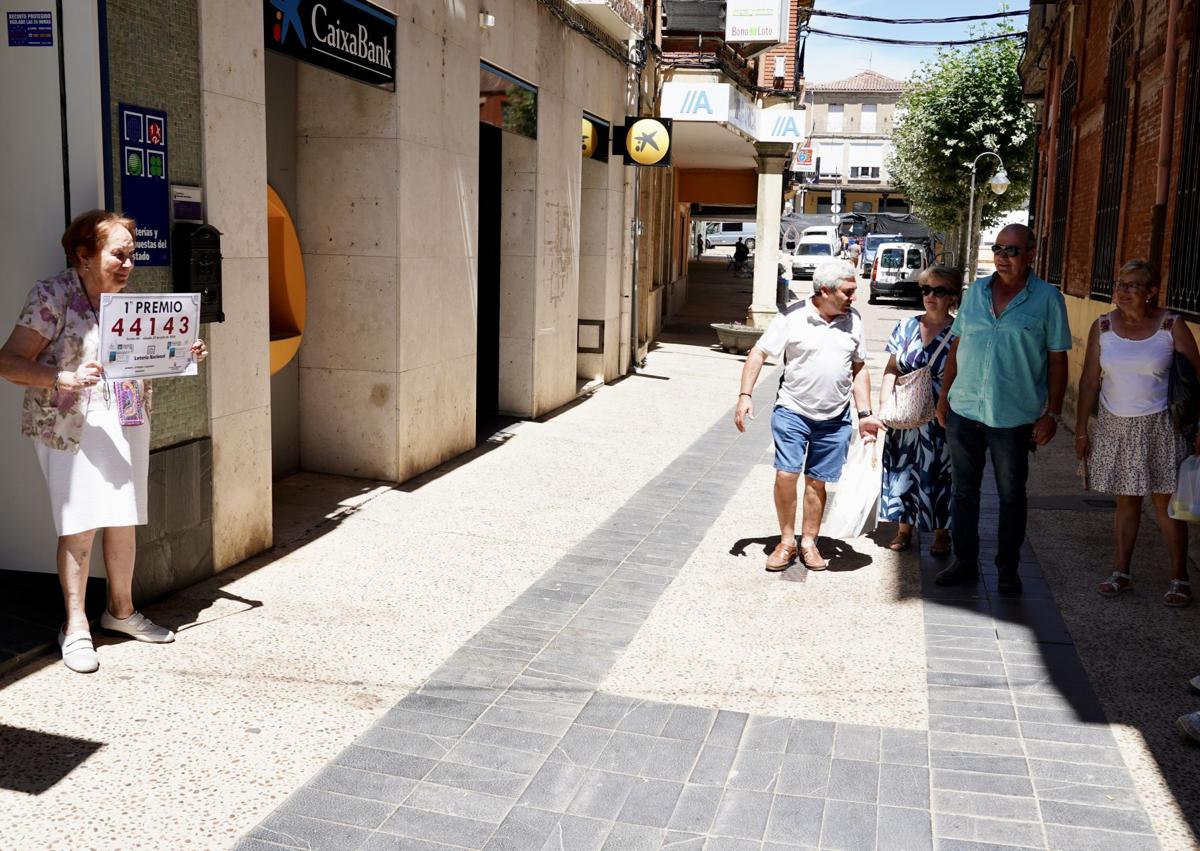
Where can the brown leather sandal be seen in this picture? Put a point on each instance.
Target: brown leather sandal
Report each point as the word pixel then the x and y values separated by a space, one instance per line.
pixel 782 558
pixel 811 558
pixel 901 542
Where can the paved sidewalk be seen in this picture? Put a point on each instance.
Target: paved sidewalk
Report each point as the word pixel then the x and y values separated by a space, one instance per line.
pixel 567 641
pixel 513 744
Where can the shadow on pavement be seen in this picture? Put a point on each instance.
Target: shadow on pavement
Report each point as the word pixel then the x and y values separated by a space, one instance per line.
pixel 1074 661
pixel 35 761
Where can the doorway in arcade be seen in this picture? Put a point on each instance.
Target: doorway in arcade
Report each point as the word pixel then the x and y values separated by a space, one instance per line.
pixel 507 250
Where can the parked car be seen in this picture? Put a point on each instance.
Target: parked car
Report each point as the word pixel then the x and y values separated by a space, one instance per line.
pixel 810 251
pixel 728 233
pixel 896 269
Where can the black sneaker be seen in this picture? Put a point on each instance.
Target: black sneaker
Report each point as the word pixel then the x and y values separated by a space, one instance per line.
pixel 959 573
pixel 1009 584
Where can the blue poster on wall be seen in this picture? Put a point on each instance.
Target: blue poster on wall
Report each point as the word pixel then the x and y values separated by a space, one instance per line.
pixel 145 190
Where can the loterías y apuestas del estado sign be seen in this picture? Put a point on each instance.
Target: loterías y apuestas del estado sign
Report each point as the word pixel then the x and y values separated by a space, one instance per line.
pixel 350 37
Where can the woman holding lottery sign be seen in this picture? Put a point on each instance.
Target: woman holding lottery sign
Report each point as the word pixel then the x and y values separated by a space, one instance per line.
pixel 91 435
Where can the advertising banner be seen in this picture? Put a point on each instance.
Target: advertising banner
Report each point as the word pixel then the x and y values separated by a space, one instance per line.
pixel 755 21
pixel 805 161
pixel 145 191
pixel 148 335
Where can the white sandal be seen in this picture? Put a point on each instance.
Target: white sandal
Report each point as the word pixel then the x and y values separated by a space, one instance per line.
pixel 1116 584
pixel 1179 594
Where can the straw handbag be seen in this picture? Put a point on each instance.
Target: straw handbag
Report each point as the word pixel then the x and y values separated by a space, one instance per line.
pixel 912 403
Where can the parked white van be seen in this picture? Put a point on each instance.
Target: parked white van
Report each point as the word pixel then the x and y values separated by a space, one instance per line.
pixel 896 269
pixel 728 233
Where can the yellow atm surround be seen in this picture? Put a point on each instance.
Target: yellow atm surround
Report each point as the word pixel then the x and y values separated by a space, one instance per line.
pixel 286 283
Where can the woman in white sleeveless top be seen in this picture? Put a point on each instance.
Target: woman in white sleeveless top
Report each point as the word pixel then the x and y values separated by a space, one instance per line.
pixel 1134 450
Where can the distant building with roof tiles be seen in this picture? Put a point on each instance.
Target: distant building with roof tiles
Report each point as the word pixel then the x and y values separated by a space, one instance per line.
pixel 851 128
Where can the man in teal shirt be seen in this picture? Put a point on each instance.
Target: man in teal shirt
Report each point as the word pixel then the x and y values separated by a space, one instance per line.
pixel 1002 392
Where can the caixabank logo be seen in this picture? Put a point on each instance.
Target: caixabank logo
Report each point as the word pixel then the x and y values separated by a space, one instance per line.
pixel 350 37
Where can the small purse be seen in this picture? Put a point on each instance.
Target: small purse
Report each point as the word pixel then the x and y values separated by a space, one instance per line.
pixel 912 403
pixel 130 406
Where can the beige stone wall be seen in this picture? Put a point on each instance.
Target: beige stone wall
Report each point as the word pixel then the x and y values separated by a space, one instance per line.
pixel 235 177
pixel 572 76
pixel 387 212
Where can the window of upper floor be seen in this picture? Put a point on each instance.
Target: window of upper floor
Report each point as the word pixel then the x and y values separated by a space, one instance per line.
pixel 869 121
pixel 834 120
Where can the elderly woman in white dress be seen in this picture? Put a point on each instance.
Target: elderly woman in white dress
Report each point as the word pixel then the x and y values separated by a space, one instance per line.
pixel 1133 451
pixel 92 436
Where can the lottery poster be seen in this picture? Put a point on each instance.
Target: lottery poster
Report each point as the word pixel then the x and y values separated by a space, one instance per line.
pixel 148 335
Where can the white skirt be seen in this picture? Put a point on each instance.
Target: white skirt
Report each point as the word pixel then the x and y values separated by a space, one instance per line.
pixel 104 483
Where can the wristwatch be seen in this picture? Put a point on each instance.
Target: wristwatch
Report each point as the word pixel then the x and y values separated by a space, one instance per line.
pixel 1058 418
pixel 862 415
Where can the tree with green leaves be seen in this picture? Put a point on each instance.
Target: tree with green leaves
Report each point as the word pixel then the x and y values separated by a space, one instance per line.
pixel 955 107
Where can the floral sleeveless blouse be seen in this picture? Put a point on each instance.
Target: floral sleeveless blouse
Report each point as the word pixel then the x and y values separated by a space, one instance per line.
pixel 58 310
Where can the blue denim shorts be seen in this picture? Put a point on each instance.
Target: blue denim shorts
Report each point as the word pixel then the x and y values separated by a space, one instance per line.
pixel 816 448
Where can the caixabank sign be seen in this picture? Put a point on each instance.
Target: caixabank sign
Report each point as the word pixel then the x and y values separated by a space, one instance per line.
pixel 350 37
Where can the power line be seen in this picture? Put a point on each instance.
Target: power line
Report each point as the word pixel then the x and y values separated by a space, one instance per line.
pixel 915 42
pixel 846 16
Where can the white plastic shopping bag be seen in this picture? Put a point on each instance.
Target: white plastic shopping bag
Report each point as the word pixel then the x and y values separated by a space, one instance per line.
pixel 1185 502
pixel 852 510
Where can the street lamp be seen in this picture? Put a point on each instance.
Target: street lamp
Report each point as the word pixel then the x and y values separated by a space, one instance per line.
pixel 999 184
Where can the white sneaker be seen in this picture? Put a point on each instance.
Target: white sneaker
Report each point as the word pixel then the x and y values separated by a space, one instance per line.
pixel 137 626
pixel 78 652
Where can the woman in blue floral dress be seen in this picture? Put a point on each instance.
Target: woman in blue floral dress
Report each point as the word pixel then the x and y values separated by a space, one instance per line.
pixel 916 461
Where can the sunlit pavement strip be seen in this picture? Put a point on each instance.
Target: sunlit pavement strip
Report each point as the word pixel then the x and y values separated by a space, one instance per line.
pixel 509 745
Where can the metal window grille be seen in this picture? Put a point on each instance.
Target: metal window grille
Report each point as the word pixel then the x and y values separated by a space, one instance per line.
pixel 1184 291
pixel 1112 157
pixel 1062 174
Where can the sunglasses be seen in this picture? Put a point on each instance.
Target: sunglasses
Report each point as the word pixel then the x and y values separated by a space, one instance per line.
pixel 940 292
pixel 1007 250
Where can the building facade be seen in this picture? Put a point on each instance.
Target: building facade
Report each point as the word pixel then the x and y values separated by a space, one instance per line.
pixel 402 262
pixel 414 244
pixel 1117 175
pixel 851 123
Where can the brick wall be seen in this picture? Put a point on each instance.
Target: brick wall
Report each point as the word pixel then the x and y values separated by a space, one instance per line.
pixel 1089 41
pixel 766 61
pixel 153 54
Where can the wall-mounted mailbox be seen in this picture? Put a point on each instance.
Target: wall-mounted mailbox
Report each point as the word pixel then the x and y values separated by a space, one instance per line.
pixel 196 266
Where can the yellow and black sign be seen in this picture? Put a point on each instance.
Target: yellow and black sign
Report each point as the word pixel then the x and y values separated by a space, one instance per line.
pixel 644 141
pixel 589 139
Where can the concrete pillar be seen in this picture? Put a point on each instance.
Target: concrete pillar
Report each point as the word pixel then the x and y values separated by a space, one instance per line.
pixel 771 159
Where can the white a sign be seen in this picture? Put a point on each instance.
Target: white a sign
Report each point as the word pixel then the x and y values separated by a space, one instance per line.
pixel 756 21
pixel 148 335
pixel 781 125
pixel 716 102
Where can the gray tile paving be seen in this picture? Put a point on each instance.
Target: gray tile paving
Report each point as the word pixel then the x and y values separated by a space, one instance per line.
pixel 510 745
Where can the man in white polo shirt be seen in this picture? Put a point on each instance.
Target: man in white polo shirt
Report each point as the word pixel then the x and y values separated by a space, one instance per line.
pixel 824 348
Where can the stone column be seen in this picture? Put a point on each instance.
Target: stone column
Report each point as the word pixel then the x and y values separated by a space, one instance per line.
pixel 772 157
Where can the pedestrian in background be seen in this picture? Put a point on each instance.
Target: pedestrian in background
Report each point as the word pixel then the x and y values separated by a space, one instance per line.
pixel 1002 394
pixel 741 253
pixel 93 450
pixel 1134 450
pixel 916 461
pixel 823 346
